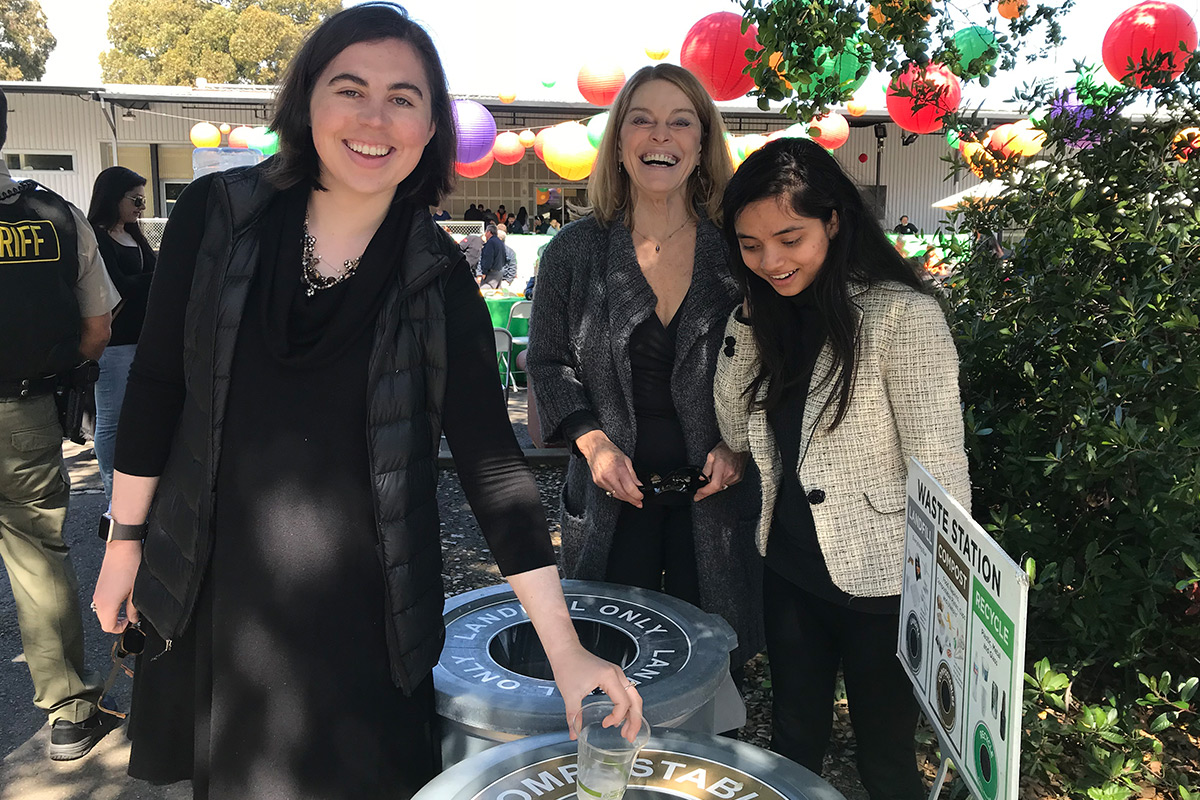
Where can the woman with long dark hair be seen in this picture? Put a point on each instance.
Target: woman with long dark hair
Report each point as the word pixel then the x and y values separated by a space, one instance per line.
pixel 838 367
pixel 310 334
pixel 118 200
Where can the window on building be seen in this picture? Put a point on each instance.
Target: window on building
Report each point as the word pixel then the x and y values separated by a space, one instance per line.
pixel 170 193
pixel 45 162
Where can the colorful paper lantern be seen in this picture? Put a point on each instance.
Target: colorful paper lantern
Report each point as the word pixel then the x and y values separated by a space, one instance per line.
pixel 715 52
pixel 830 131
pixel 734 148
pixel 998 139
pixel 475 129
pixel 751 142
pixel 972 43
pixel 856 108
pixel 543 196
pixel 845 66
pixel 205 134
pixel 240 136
pixel 1150 30
pixel 953 138
pixel 225 128
pixel 475 169
pixel 1011 9
pixel 508 149
pixel 934 92
pixel 1066 110
pixel 527 136
pixel 507 97
pixel 773 61
pixel 895 8
pixel 599 82
pixel 264 140
pixel 549 82
pixel 657 52
pixel 539 142
pixel 595 128
pixel 1186 144
pixel 1024 139
pixel 567 151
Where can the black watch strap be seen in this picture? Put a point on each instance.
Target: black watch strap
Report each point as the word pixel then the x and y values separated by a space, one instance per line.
pixel 113 531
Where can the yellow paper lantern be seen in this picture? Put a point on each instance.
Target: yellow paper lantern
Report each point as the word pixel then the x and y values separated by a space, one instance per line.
pixel 224 127
pixel 568 152
pixel 205 134
pixel 856 108
pixel 657 52
pixel 735 150
pixel 507 97
pixel 751 142
pixel 1186 144
pixel 527 138
pixel 1024 139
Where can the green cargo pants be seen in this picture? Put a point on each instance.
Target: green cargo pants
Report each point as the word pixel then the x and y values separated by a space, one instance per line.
pixel 34 488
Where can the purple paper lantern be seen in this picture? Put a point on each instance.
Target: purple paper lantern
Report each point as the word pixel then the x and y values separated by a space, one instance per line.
pixel 1066 109
pixel 475 129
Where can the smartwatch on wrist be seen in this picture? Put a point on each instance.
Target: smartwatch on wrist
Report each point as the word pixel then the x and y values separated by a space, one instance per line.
pixel 113 531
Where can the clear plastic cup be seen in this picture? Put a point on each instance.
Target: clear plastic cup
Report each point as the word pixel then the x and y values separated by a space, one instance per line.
pixel 605 756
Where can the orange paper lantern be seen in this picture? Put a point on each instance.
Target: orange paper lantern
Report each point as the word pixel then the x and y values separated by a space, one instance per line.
pixel 1186 144
pixel 599 83
pixel 830 131
pixel 508 149
pixel 527 136
pixel 856 108
pixel 507 97
pixel 240 136
pixel 933 92
pixel 539 142
pixel 476 168
pixel 224 127
pixel 1011 9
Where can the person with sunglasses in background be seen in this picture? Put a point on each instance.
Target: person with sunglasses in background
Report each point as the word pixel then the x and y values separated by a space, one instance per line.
pixel 118 201
pixel 624 337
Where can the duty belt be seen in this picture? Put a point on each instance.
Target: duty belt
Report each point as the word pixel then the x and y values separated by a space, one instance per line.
pixel 30 387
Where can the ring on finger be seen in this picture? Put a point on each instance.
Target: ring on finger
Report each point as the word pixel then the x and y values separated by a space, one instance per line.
pixel 93 606
pixel 608 492
pixel 630 685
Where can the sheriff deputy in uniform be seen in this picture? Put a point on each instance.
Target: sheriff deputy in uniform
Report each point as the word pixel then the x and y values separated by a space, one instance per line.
pixel 56 303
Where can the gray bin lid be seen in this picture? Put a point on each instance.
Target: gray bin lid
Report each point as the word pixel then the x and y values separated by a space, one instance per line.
pixel 675 763
pixel 682 656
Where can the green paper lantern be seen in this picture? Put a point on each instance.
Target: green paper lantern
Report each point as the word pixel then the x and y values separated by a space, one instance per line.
pixel 595 129
pixel 952 138
pixel 972 43
pixel 845 66
pixel 549 82
pixel 264 140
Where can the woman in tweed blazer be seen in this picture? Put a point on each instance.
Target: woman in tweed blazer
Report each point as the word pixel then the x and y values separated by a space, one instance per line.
pixel 626 328
pixel 837 368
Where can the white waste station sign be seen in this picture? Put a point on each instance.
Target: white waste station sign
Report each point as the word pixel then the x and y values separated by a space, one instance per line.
pixel 962 636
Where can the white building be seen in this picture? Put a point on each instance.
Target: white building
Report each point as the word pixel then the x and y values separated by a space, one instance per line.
pixel 63 136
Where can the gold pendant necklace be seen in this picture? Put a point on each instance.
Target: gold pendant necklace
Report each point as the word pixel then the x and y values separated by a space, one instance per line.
pixel 658 245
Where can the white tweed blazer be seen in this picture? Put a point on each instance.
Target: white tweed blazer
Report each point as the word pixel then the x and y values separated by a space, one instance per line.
pixel 904 402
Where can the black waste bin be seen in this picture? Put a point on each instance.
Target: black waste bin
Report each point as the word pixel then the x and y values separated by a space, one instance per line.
pixel 678 764
pixel 494 684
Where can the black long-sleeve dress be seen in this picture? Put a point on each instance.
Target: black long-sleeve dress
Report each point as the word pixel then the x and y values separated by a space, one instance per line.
pixel 280 687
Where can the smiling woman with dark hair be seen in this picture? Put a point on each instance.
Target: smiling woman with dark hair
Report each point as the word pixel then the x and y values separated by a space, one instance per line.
pixel 278 449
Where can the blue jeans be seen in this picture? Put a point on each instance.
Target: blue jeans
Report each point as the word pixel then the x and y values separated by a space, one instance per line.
pixel 110 395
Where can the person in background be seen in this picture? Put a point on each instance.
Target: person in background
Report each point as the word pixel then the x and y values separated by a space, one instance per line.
pixel 521 224
pixel 905 227
pixel 509 273
pixel 56 307
pixel 630 308
pixel 118 199
pixel 501 213
pixel 439 213
pixel 471 246
pixel 473 214
pixel 839 367
pixel 312 331
pixel 554 226
pixel 491 259
pixel 541 225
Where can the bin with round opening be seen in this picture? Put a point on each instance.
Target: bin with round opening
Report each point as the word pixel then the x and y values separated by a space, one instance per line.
pixel 494 684
pixel 674 764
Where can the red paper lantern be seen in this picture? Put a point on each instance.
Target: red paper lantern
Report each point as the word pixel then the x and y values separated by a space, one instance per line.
pixel 1145 31
pixel 599 83
pixel 539 142
pixel 830 131
pixel 862 158
pixel 935 92
pixel 715 52
pixel 508 148
pixel 476 168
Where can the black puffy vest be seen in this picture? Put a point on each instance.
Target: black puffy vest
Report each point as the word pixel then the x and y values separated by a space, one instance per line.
pixel 406 387
pixel 39 266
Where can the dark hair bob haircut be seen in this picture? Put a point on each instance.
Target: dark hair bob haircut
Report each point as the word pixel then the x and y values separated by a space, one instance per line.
pixel 111 186
pixel 297 162
pixel 809 180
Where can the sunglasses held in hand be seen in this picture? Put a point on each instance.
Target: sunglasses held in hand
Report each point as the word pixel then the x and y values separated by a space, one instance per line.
pixel 131 642
pixel 685 480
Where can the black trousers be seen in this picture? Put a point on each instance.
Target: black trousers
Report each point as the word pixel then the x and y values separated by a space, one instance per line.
pixel 807 639
pixel 654 548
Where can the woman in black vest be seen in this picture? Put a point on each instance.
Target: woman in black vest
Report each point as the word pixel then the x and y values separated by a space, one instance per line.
pixel 118 199
pixel 289 394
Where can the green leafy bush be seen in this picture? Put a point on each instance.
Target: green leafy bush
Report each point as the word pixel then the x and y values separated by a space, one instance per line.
pixel 1081 380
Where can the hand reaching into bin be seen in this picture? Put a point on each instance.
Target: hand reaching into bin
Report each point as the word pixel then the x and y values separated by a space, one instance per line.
pixel 576 671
